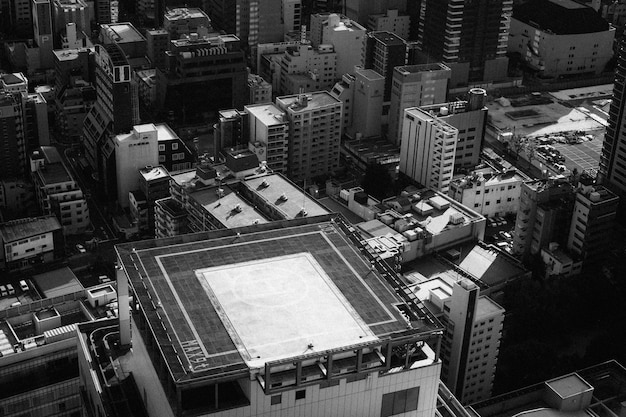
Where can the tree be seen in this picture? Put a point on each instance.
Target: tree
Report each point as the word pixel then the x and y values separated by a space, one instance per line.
pixel 377 181
pixel 518 143
pixel 531 152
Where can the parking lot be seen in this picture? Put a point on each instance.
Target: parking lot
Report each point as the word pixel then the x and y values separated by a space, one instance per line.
pixel 582 156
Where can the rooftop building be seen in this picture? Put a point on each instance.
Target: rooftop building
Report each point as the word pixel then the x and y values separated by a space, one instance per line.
pixel 29 241
pixel 185 20
pixel 259 352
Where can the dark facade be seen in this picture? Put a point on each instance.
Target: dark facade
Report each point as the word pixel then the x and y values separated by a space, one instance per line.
pixel 12 136
pixel 470 37
pixel 613 157
pixel 202 76
pixel 383 52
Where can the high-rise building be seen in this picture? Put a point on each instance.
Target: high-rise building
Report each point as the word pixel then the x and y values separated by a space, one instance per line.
pixel 415 86
pixel 202 75
pixel 593 218
pixel 469 37
pixel 134 151
pixel 42 27
pixel 115 110
pixel 367 104
pixel 471 341
pixel 613 157
pixel 314 133
pixel 428 145
pixel 383 52
pixel 470 118
pixel 269 350
pixel 345 35
pixel 154 184
pixel 269 135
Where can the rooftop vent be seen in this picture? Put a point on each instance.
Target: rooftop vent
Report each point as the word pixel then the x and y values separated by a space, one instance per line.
pixel 283 197
pixel 237 208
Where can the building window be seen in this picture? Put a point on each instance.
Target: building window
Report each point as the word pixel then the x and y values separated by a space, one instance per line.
pixel 174 146
pixel 161 148
pixel 400 402
pixel 301 395
pixel 277 399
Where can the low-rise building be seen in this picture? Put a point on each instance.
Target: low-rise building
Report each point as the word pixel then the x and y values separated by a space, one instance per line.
pixel 489 192
pixel 559 262
pixel 30 241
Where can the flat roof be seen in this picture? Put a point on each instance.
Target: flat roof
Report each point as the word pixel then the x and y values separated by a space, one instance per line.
pixel 214 292
pixel 154 173
pixel 54 173
pixel 486 307
pixel 227 207
pixel 273 187
pixel 269 114
pixel 561 17
pixel 58 282
pixel 25 228
pixel 388 38
pixel 164 132
pixel 568 385
pixel 125 31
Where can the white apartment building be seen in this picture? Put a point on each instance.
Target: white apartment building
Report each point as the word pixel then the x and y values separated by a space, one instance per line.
pixel 314 133
pixel 344 90
pixel 133 151
pixel 415 86
pixel 390 21
pixel 345 35
pixel 471 340
pixel 488 192
pixel 269 135
pixel 427 149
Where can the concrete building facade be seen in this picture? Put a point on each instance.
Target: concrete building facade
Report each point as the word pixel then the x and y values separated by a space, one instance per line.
pixel 427 150
pixel 415 86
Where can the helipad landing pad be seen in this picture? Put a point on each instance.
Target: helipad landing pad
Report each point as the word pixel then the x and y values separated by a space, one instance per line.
pixel 282 307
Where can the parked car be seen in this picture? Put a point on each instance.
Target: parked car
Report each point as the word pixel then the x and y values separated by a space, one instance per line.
pixel 3 291
pixel 10 289
pixel 505 235
pixel 23 286
pixel 80 248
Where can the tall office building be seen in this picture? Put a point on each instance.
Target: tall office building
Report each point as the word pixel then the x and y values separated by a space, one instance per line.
pixel 428 145
pixel 613 157
pixel 134 151
pixel 367 104
pixel 71 11
pixel 42 27
pixel 115 110
pixel 469 37
pixel 314 133
pixel 415 86
pixel 471 341
pixel 383 52
pixel 360 10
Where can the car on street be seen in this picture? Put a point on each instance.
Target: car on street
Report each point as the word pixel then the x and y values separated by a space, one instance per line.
pixel 80 248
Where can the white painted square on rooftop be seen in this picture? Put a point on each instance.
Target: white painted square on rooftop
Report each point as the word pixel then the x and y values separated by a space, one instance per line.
pixel 277 308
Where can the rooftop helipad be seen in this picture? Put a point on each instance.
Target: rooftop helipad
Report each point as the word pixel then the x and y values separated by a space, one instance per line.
pixel 237 298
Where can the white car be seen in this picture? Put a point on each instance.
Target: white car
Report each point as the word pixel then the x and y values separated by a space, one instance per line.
pixel 80 248
pixel 23 286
